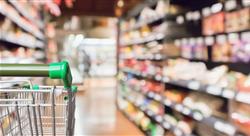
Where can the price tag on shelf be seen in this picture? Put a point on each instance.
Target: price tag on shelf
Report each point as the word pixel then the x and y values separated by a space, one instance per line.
pixel 228 93
pixel 166 125
pixel 160 36
pixel 243 97
pixel 158 77
pixel 233 37
pixel 199 41
pixel 225 128
pixel 158 57
pixel 221 39
pixel 216 7
pixel 184 41
pixel 167 102
pixel 166 79
pixel 206 11
pixel 179 107
pixel 197 116
pixel 151 94
pixel 188 16
pixel 143 108
pixel 158 118
pixel 215 90
pixel 186 111
pixel 192 41
pixel 177 132
pixel 150 113
pixel 245 36
pixel 195 85
pixel 177 42
pixel 209 41
pixel 157 97
pixel 230 5
pixel 180 19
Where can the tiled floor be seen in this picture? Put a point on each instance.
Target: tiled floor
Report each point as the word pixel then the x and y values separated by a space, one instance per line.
pixel 96 112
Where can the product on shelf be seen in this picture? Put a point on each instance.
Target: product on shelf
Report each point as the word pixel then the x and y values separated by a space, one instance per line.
pixel 240 52
pixel 213 24
pixel 205 104
pixel 175 96
pixel 182 69
pixel 240 116
pixel 186 125
pixel 237 20
pixel 171 50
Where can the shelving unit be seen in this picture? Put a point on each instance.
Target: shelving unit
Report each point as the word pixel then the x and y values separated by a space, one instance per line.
pixel 21 32
pixel 22 36
pixel 140 64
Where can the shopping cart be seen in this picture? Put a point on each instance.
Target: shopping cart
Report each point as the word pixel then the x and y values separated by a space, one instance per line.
pixel 37 110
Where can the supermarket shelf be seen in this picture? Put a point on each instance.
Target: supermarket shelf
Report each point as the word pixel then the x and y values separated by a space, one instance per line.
pixel 13 15
pixel 197 86
pixel 151 37
pixel 157 118
pixel 218 124
pixel 131 120
pixel 152 57
pixel 145 22
pixel 27 15
pixel 24 42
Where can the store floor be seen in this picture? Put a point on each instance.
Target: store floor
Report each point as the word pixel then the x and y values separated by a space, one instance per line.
pixel 97 114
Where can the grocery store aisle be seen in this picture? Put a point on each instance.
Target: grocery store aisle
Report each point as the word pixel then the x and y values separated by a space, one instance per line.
pixel 96 113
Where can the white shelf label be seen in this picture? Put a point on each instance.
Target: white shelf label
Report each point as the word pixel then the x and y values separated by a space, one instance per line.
pixel 166 79
pixel 243 97
pixel 228 93
pixel 221 39
pixel 177 132
pixel 195 85
pixel 158 77
pixel 233 37
pixel 192 41
pixel 216 7
pixel 198 116
pixel 199 41
pixel 230 4
pixel 179 107
pixel 157 97
pixel 151 94
pixel 166 125
pixel 215 90
pixel 167 102
pixel 150 113
pixel 209 40
pixel 245 35
pixel 186 111
pixel 224 127
pixel 177 42
pixel 158 57
pixel 184 41
pixel 158 118
pixel 206 11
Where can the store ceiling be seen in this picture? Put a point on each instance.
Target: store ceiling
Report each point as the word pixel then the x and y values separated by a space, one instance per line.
pixel 95 7
pixel 90 8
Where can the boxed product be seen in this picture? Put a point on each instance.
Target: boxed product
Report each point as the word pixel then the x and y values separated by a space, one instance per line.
pixel 237 20
pixel 240 116
pixel 222 52
pixel 213 24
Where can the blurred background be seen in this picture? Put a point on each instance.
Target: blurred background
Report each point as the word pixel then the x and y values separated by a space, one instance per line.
pixel 143 67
